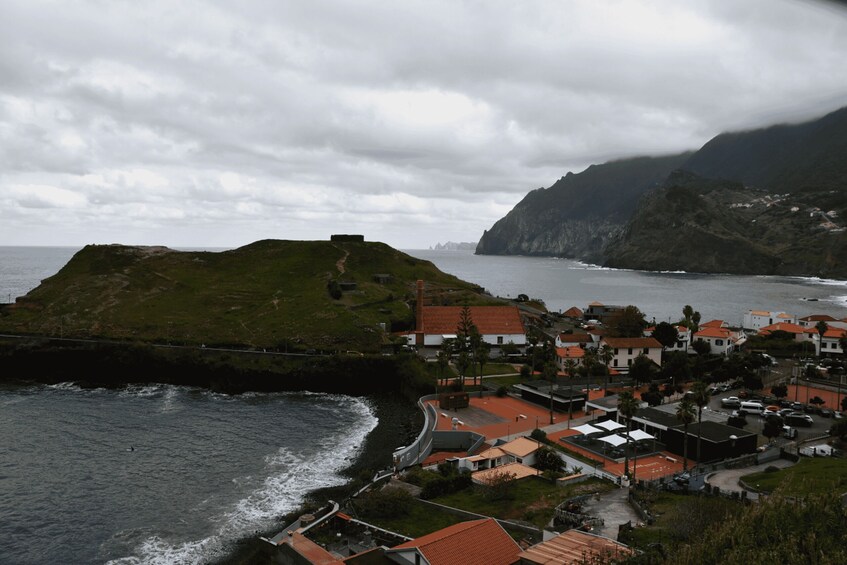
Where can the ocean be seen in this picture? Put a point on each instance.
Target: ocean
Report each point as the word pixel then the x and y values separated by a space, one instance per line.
pixel 167 474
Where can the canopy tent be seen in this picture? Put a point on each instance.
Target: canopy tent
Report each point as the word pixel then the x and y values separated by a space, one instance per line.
pixel 638 435
pixel 587 429
pixel 610 425
pixel 614 440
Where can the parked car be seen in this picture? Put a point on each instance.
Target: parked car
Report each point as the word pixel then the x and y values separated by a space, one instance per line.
pixel 770 410
pixel 797 405
pixel 785 403
pixel 785 412
pixel 789 432
pixel 799 419
pixel 725 387
pixel 826 412
pixel 731 402
pixel 682 479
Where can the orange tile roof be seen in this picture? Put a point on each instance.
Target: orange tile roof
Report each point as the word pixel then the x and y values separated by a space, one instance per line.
pixel 595 303
pixel 626 342
pixel 786 327
pixel 760 313
pixel 784 316
pixel 520 447
pixel 575 338
pixel 835 332
pixel 519 470
pixel 570 352
pixel 572 312
pixel 478 542
pixel 310 551
pixel 818 318
pixel 574 547
pixel 487 319
pixel 714 332
pixel 713 324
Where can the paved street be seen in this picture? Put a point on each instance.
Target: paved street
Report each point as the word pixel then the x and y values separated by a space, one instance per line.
pixel 613 507
pixel 727 480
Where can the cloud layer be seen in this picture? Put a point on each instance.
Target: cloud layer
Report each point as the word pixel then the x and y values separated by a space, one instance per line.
pixel 216 123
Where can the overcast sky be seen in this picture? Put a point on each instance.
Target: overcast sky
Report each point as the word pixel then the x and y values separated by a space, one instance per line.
pixel 195 123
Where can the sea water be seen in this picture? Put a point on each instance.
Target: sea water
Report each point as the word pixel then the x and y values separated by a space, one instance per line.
pixel 161 474
pixel 563 283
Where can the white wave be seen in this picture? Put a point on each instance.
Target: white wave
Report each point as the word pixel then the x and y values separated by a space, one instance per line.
pixel 820 281
pixel 142 391
pixel 291 475
pixel 65 386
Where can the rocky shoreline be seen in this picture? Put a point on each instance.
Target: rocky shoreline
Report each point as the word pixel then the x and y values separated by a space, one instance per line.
pixel 399 421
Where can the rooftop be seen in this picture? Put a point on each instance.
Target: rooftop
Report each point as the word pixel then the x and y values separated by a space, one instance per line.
pixel 487 319
pixel 573 547
pixel 519 470
pixel 478 542
pixel 634 342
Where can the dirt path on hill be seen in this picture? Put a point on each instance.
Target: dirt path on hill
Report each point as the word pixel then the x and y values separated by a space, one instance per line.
pixel 340 263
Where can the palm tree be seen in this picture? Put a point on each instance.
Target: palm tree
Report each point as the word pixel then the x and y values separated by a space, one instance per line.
pixel 481 359
pixel 685 414
pixel 550 373
pixel 627 407
pixel 700 396
pixel 443 359
pixel 821 327
pixel 606 354
pixel 570 367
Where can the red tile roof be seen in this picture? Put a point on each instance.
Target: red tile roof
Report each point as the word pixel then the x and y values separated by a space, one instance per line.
pixel 487 319
pixel 818 318
pixel 835 332
pixel 575 338
pixel 713 324
pixel 786 327
pixel 570 352
pixel 634 342
pixel 714 332
pixel 572 312
pixel 478 542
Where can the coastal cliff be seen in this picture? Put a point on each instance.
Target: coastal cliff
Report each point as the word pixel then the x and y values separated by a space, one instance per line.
pixel 768 201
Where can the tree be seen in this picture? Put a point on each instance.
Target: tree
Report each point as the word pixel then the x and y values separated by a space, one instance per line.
pixel 526 371
pixel 443 358
pixel 481 355
pixel 627 407
pixel 665 334
pixel 817 401
pixel 643 370
pixel 677 367
pixel 685 414
pixel 548 460
pixel 499 485
pixel 463 361
pixel 773 427
pixel 474 345
pixel 844 404
pixel 779 391
pixel 700 396
pixel 701 347
pixel 821 327
pixel 653 396
pixel 550 373
pixel 606 354
pixel 570 367
pixel 629 323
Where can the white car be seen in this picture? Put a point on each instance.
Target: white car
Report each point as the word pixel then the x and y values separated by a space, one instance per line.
pixel 731 402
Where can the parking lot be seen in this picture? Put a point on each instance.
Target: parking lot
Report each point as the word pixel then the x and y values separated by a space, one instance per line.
pixel 819 427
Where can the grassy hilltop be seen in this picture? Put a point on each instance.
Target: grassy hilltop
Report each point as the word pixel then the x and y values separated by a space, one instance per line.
pixel 269 294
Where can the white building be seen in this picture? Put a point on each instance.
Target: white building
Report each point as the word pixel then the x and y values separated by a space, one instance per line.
pixel 626 349
pixel 758 319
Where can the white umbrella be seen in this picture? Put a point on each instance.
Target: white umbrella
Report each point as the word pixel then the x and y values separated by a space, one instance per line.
pixel 587 429
pixel 610 425
pixel 638 435
pixel 614 440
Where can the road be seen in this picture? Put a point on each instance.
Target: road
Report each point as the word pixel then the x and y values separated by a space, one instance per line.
pixel 727 480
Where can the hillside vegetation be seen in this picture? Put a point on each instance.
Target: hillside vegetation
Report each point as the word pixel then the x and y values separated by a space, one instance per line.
pixel 767 201
pixel 269 294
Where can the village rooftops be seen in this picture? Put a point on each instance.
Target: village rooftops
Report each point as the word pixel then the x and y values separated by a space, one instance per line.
pixel 714 332
pixel 715 324
pixel 520 447
pixel 788 328
pixel 818 318
pixel 575 338
pixel 519 470
pixel 574 352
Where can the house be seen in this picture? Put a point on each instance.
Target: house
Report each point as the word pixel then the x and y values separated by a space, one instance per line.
pixel 498 325
pixel 757 319
pixel 603 313
pixel 477 542
pixel 488 459
pixel 569 340
pixel 626 349
pixel 721 339
pixel 683 338
pixel 573 313
pixel 563 354
pixel 575 547
pixel 831 343
pixel 798 333
pixel 813 320
pixel 516 470
pixel 521 450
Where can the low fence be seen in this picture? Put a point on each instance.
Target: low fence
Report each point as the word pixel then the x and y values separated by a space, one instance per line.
pixel 473 516
pixel 568 512
pixel 419 449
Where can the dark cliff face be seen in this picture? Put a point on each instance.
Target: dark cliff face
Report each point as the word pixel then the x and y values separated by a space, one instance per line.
pixel 769 201
pixel 580 213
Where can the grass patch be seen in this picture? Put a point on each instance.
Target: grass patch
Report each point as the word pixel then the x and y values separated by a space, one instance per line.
pixel 498 369
pixel 819 475
pixel 421 519
pixel 497 382
pixel 679 518
pixel 533 499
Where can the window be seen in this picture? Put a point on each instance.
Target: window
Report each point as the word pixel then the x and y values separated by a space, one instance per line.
pixel 630 351
pixel 629 362
pixel 646 351
pixel 499 340
pixel 718 342
pixel 616 351
pixel 616 363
